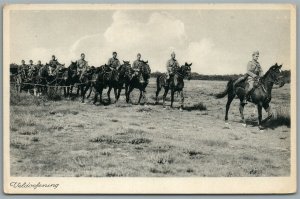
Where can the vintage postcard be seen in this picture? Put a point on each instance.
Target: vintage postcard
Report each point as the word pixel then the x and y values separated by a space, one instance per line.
pixel 149 98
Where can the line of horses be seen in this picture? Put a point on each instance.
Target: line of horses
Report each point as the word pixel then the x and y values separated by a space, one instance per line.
pixel 99 78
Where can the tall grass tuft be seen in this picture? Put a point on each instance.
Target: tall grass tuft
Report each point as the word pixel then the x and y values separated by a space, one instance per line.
pixel 281 116
pixel 196 107
pixel 24 99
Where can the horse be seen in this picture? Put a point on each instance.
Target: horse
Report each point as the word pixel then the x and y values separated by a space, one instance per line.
pixel 260 96
pixel 72 79
pixel 100 80
pixel 118 79
pixel 175 83
pixel 140 81
pixel 86 82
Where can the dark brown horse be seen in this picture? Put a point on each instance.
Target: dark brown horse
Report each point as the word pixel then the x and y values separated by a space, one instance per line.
pixel 175 83
pixel 261 96
pixel 100 80
pixel 139 81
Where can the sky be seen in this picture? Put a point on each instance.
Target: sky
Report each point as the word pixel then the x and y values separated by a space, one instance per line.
pixel 215 41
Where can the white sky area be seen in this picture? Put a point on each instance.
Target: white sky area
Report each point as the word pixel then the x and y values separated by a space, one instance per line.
pixel 215 41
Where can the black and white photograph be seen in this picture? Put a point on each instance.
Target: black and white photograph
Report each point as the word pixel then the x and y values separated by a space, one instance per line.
pixel 149 98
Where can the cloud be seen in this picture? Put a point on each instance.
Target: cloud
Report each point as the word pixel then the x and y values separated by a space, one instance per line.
pixel 155 36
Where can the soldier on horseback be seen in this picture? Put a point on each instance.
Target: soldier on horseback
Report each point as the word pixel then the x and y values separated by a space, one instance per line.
pixel 82 66
pixel 39 65
pixel 137 66
pixel 113 62
pixel 23 69
pixel 172 65
pixel 53 63
pixel 254 72
pixel 31 69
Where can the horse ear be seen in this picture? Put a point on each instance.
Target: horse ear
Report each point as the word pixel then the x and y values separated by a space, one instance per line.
pixel 190 64
pixel 276 64
pixel 280 66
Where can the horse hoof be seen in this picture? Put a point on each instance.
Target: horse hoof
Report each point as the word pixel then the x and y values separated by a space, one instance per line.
pixel 244 125
pixel 227 124
pixel 181 109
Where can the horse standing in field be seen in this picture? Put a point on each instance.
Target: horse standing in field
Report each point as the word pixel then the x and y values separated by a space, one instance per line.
pixel 118 79
pixel 139 81
pixel 261 95
pixel 72 79
pixel 175 84
pixel 100 80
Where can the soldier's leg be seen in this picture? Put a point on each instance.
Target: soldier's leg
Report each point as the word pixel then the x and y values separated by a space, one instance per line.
pixel 238 80
pixel 248 91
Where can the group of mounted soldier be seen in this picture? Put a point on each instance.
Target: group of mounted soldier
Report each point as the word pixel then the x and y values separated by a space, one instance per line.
pixel 81 73
pixel 253 86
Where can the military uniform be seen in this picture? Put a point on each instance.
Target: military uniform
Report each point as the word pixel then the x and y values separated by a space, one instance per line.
pixel 31 69
pixel 114 63
pixel 172 65
pixel 253 70
pixel 23 70
pixel 82 67
pixel 52 65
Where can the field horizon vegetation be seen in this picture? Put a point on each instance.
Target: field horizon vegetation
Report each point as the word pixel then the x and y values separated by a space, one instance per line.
pixel 64 137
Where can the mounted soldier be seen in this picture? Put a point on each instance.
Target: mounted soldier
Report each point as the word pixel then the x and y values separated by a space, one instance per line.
pixel 113 62
pixel 254 72
pixel 172 66
pixel 82 66
pixel 23 69
pixel 32 70
pixel 53 63
pixel 137 66
pixel 39 65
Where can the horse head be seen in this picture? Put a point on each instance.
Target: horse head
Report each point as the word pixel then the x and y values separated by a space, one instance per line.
pixel 186 70
pixel 274 75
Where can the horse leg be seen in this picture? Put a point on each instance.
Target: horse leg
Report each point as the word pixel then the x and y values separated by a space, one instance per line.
pixel 101 90
pixel 172 97
pixel 91 88
pixel 164 97
pixel 83 92
pixel 108 94
pixel 242 113
pixel 145 98
pixel 128 93
pixel 229 100
pixel 119 93
pixel 182 100
pixel 141 94
pixel 259 110
pixel 157 93
pixel 268 109
pixel 116 94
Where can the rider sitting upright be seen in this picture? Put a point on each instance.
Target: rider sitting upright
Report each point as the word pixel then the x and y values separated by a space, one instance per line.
pixel 136 66
pixel 254 71
pixel 172 65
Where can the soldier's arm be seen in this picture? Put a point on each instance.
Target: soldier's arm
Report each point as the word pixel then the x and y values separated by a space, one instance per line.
pixel 250 69
pixel 260 72
pixel 109 62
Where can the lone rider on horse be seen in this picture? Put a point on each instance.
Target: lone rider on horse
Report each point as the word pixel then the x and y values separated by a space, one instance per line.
pixel 254 72
pixel 172 65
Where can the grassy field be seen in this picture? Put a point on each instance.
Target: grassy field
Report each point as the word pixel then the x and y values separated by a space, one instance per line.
pixel 68 138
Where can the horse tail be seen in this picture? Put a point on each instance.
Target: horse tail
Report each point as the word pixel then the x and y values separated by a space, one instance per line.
pixel 226 91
